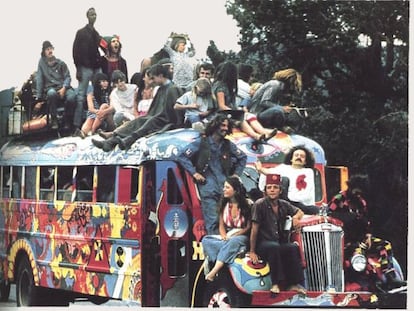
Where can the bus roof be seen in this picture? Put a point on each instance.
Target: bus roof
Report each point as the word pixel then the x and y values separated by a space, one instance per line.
pixel 26 151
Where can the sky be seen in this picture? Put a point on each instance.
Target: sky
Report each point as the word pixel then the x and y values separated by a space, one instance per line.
pixel 143 27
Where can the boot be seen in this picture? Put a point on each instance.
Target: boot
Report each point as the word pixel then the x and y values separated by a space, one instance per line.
pixel 106 145
pixel 127 142
pixel 392 281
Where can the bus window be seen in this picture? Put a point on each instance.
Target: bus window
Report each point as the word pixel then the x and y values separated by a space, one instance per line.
pixel 318 185
pixel 47 176
pixel 16 182
pixel 5 182
pixel 106 184
pixel 64 183
pixel 174 193
pixel 30 182
pixel 84 183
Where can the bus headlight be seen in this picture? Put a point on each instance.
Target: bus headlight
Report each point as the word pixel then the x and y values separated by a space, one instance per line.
pixel 359 262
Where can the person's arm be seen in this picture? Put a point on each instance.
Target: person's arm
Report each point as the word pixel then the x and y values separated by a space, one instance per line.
pixel 136 114
pixel 241 159
pixel 253 239
pixel 222 228
pixel 221 101
pixel 297 217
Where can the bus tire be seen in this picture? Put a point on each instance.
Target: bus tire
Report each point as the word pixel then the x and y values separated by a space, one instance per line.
pixel 4 291
pixel 25 287
pixel 222 293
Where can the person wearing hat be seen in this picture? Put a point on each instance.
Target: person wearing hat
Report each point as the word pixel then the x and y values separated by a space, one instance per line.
pixel 270 240
pixel 210 160
pixel 53 86
pixel 112 60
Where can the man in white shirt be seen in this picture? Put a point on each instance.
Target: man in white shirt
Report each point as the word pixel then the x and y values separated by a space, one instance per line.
pixel 298 168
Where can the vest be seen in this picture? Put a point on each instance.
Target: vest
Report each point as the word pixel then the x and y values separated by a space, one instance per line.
pixel 204 156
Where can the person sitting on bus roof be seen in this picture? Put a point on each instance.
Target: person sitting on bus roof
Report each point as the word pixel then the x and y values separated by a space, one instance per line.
pixel 53 86
pixel 298 168
pixel 160 115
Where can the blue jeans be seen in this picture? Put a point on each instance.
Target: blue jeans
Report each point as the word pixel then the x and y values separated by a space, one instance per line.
pixel 273 117
pixel 54 101
pixel 224 250
pixel 86 76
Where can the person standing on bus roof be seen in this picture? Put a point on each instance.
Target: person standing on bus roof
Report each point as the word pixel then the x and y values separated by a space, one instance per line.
pixel 269 239
pixel 298 168
pixel 210 160
pixel 86 57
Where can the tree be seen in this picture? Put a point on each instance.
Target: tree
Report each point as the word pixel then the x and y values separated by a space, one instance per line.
pixel 353 57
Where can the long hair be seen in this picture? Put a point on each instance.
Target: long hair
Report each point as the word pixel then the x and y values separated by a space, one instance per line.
pixel 99 94
pixel 239 196
pixel 215 124
pixel 310 158
pixel 291 77
pixel 227 73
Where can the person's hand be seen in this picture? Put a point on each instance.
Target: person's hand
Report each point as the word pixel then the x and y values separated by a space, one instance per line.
pixel 258 165
pixel 199 178
pixel 368 240
pixel 62 92
pixel 224 237
pixel 287 109
pixel 253 257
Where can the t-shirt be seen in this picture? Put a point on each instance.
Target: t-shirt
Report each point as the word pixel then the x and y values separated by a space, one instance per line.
pixel 301 182
pixel 123 101
pixel 188 98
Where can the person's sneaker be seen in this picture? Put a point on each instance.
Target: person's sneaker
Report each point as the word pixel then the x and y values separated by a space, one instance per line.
pixel 79 133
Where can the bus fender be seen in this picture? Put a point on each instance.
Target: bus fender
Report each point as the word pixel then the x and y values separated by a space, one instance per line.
pixel 17 248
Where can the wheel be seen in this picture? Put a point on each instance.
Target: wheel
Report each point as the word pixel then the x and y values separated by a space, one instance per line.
pixel 222 293
pixel 25 288
pixel 4 291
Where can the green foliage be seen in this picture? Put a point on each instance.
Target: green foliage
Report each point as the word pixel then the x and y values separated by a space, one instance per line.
pixel 353 56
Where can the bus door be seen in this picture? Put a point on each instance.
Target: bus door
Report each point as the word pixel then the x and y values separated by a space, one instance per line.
pixel 167 234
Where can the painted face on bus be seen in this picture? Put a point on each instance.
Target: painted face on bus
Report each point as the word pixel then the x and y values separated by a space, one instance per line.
pixel 273 191
pixel 298 158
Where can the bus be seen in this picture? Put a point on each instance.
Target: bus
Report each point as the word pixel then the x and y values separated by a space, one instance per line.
pixel 78 222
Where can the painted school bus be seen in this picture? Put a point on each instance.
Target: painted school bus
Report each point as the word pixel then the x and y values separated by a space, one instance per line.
pixel 76 221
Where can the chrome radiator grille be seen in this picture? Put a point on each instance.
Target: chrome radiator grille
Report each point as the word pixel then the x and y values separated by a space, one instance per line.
pixel 322 247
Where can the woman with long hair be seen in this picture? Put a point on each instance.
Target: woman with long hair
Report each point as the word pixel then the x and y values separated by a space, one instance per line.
pixel 234 226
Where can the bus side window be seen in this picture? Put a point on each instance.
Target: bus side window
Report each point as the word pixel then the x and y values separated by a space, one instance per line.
pixel 47 175
pixel 30 182
pixel 64 183
pixel 106 184
pixel 84 183
pixel 5 181
pixel 16 182
pixel 174 192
